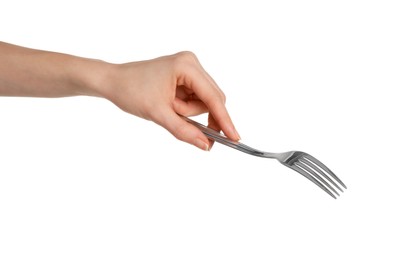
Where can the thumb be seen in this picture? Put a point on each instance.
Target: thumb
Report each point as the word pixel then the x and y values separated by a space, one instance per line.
pixel 184 131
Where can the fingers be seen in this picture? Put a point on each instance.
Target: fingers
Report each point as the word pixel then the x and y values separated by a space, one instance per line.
pixel 184 131
pixel 196 78
pixel 222 119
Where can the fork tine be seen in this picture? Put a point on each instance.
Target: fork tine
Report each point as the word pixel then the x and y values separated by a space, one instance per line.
pixel 312 179
pixel 323 167
pixel 314 174
pixel 314 167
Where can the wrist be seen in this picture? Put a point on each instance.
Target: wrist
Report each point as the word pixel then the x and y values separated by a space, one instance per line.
pixel 93 76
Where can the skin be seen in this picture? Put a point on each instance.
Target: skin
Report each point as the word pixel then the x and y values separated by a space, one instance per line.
pixel 159 90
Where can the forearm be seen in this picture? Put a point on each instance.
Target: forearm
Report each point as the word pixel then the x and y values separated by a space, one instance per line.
pixel 35 73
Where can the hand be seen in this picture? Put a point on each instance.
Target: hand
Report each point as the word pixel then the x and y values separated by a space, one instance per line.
pixel 162 89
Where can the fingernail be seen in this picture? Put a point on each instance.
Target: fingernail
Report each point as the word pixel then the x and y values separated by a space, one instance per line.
pixel 202 145
pixel 237 134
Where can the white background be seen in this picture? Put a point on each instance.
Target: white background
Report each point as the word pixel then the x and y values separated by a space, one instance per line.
pixel 80 179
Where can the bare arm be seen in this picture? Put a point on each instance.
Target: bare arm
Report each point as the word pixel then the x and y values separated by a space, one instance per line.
pixel 157 90
pixel 35 73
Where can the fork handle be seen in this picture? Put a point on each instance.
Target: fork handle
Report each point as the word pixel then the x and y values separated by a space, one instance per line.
pixel 220 138
pixel 212 134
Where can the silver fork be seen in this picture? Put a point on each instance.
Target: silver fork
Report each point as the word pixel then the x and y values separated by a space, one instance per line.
pixel 303 163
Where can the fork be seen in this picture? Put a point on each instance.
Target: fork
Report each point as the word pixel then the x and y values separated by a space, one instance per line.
pixel 301 162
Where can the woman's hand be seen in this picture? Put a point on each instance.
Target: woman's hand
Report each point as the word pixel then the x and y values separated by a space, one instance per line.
pixel 162 89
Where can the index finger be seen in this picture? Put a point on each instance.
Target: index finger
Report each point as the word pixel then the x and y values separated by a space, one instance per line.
pixel 196 78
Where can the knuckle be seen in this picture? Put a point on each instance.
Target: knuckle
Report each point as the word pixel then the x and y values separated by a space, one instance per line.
pixel 216 103
pixel 219 97
pixel 186 57
pixel 180 132
pixel 223 96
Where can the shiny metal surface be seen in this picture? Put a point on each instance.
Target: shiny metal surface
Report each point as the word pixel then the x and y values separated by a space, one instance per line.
pixel 303 163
